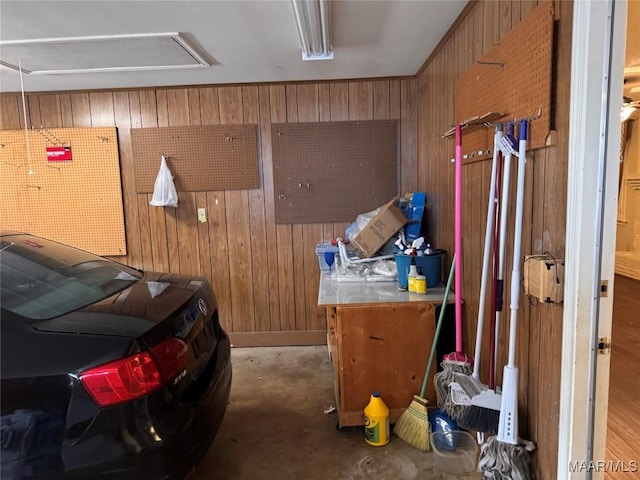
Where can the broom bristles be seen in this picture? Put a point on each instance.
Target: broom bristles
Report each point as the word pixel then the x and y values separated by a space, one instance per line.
pixel 413 425
pixel 480 419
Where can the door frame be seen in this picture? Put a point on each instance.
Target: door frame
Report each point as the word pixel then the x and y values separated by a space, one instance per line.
pixel 597 64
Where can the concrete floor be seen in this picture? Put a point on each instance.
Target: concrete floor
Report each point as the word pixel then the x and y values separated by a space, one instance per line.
pixel 275 427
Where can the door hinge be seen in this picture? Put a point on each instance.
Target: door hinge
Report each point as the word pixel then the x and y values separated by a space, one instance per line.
pixel 604 346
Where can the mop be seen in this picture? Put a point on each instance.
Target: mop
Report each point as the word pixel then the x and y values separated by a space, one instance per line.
pixel 466 387
pixel 455 361
pixel 483 412
pixel 413 425
pixel 506 456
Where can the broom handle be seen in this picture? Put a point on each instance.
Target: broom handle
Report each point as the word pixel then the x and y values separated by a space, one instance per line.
pixel 504 212
pixel 494 277
pixel 458 236
pixel 517 244
pixel 436 335
pixel 491 222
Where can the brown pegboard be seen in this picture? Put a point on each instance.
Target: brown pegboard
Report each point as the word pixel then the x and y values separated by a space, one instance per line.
pixel 77 202
pixel 201 158
pixel 514 77
pixel 333 171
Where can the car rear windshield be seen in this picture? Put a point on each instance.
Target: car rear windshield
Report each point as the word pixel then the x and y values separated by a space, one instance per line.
pixel 41 279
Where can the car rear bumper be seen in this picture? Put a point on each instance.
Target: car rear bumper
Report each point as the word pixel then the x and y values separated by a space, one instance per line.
pixel 154 438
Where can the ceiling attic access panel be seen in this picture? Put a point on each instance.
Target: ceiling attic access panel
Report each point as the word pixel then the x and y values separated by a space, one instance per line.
pixel 327 172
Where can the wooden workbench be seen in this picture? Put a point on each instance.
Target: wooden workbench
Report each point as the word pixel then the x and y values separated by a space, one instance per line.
pixel 379 339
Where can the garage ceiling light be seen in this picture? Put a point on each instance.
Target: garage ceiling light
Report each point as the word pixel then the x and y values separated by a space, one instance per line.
pixel 313 18
pixel 108 53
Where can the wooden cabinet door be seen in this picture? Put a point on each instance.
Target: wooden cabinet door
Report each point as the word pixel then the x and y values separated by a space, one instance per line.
pixel 385 348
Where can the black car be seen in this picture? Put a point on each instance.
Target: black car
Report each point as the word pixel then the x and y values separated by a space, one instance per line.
pixel 107 372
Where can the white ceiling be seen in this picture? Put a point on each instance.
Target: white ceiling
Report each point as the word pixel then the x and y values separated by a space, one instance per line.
pixel 249 41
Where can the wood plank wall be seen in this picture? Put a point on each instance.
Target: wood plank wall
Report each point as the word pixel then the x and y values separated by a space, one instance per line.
pixel 265 275
pixel 481 26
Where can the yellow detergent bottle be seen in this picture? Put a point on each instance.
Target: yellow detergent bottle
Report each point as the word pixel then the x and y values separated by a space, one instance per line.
pixel 376 421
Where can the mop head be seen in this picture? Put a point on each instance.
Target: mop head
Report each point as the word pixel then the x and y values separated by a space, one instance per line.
pixel 413 425
pixel 504 461
pixel 452 364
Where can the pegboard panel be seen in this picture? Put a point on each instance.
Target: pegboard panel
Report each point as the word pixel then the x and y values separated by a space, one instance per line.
pixel 201 158
pixel 514 77
pixel 77 202
pixel 333 171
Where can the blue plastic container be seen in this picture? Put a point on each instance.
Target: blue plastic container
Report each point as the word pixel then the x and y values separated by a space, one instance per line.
pixel 431 267
pixel 403 262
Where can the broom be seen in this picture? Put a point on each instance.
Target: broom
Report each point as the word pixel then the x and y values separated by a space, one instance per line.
pixel 483 413
pixel 506 455
pixel 456 361
pixel 413 425
pixel 466 387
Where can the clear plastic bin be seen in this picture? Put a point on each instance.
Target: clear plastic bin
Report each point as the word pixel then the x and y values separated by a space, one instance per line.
pixel 454 451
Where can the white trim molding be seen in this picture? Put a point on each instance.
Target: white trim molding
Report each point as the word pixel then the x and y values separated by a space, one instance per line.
pixel 594 150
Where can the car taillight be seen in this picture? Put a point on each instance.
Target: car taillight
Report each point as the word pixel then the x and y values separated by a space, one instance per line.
pixel 171 356
pixel 132 377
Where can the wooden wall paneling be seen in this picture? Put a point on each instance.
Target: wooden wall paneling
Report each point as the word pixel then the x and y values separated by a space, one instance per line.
pixel 169 214
pixel 50 112
pixel 154 114
pixel 204 243
pixel 408 120
pixel 308 278
pixel 339 102
pixel 491 24
pixel 240 260
pixel 339 98
pixel 478 31
pixel 395 87
pixel 185 216
pixel 299 279
pixel 526 6
pixel 209 112
pixel 33 107
pixel 286 278
pixel 381 100
pixel 66 111
pixel 295 230
pixel 360 101
pixel 284 319
pixel 238 226
pixel 81 109
pixel 324 102
pixel 142 229
pixel 122 117
pixel 101 107
pixel 307 102
pixel 219 248
pixel 10 112
pixel 264 95
pixel 504 18
pixel 257 220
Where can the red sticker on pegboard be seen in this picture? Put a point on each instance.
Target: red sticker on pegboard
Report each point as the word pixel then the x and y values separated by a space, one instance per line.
pixel 59 154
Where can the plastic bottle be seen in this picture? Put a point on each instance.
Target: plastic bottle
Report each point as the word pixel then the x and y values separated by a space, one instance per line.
pixel 376 421
pixel 413 272
pixel 421 284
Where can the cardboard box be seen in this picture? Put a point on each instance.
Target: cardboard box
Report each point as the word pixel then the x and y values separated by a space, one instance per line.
pixel 379 229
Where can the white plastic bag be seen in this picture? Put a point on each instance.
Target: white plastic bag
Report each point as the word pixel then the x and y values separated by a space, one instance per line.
pixel 164 191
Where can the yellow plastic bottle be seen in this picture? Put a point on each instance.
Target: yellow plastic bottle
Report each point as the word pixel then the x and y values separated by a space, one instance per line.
pixel 411 278
pixel 376 421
